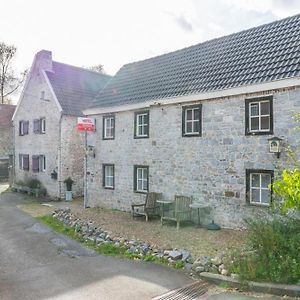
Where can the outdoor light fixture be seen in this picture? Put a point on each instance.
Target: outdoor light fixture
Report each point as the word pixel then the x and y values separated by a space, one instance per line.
pixel 275 145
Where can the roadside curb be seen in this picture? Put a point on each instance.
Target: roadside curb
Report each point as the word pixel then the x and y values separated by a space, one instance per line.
pixel 260 287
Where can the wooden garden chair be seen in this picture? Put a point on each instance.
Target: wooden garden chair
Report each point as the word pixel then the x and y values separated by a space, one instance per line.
pixel 149 208
pixel 181 210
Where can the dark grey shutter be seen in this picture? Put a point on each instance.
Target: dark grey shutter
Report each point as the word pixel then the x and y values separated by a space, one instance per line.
pixel 20 127
pixel 134 178
pixel 20 161
pixel 35 163
pixel 26 162
pixel 36 126
pixel 26 127
pixel 147 121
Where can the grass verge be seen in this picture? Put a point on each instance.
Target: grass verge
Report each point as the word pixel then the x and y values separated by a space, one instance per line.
pixel 105 248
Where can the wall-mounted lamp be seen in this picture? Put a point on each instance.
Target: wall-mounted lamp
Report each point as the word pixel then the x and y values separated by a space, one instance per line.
pixel 275 145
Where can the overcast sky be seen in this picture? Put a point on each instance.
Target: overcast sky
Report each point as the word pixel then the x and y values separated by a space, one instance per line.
pixel 115 32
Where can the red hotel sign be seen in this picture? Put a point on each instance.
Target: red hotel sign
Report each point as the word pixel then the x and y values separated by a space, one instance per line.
pixel 86 124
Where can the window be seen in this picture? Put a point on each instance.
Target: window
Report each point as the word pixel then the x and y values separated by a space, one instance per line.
pixel 24 162
pixel 43 125
pixel 42 95
pixel 259 115
pixel 109 127
pixel 39 125
pixel 141 179
pixel 257 186
pixel 191 120
pixel 38 163
pixel 23 127
pixel 108 176
pixel 141 124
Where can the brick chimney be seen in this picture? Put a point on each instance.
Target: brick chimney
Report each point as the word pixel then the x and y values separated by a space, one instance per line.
pixel 43 60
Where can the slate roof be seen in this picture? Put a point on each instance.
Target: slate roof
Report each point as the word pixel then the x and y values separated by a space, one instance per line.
pixel 75 87
pixel 6 113
pixel 261 54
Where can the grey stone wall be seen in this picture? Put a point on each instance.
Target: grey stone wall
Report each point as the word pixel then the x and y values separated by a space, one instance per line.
pixel 62 145
pixel 72 154
pixel 210 168
pixel 32 107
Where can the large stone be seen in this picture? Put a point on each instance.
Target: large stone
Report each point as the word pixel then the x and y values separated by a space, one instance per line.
pixel 175 255
pixel 185 255
pixel 216 261
pixel 199 269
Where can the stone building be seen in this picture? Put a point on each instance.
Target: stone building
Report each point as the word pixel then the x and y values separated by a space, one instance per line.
pixel 6 138
pixel 197 121
pixel 47 145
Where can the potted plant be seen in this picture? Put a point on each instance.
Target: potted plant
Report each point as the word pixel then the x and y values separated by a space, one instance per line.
pixel 69 182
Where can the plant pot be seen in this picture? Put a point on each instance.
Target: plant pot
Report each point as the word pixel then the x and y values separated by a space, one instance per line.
pixel 69 196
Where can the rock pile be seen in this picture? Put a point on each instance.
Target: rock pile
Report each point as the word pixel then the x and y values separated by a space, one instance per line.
pixel 141 249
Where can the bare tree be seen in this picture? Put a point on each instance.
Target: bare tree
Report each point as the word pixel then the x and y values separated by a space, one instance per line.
pixel 97 68
pixel 9 81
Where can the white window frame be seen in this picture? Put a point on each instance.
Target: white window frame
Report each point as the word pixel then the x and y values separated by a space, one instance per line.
pixel 141 125
pixel 42 163
pixel 259 116
pixel 22 162
pixel 109 127
pixel 260 188
pixel 192 121
pixel 143 179
pixel 43 125
pixel 108 177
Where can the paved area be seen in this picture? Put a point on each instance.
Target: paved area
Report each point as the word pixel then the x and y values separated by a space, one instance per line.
pixel 36 263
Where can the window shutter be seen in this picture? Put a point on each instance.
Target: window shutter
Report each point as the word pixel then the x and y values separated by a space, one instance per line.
pixel 26 162
pixel 26 127
pixel 20 126
pixel 148 124
pixel 36 126
pixel 20 161
pixel 35 163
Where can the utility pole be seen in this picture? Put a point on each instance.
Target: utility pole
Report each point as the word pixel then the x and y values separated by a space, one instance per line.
pixel 85 199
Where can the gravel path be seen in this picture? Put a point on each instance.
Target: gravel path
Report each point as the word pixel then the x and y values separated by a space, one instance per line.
pixel 198 241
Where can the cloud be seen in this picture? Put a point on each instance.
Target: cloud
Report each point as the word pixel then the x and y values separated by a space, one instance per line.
pixel 183 23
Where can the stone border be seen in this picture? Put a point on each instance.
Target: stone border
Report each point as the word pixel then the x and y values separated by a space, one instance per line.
pixel 260 287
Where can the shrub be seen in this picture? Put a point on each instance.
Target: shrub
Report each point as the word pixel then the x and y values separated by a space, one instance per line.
pixel 33 183
pixel 69 182
pixel 288 187
pixel 274 254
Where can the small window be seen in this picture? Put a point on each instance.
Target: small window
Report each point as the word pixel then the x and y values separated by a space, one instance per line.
pixel 42 95
pixel 42 163
pixel 38 163
pixel 109 127
pixel 258 182
pixel 141 124
pixel 39 126
pixel 23 127
pixel 24 162
pixel 191 120
pixel 108 176
pixel 259 116
pixel 43 125
pixel 141 179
